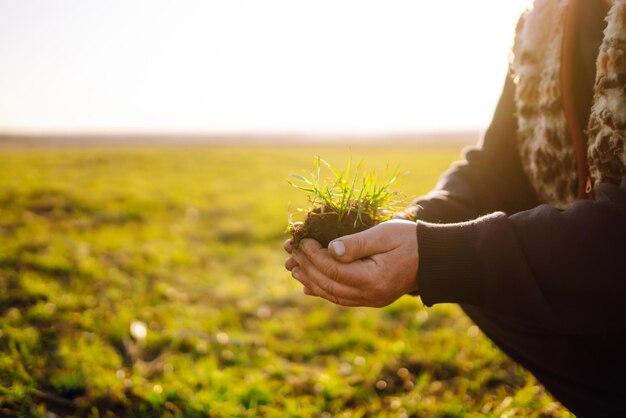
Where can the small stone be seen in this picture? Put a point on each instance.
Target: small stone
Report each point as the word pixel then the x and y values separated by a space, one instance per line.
pixel 222 338
pixel 138 330
pixel 264 312
pixel 381 385
pixel 473 331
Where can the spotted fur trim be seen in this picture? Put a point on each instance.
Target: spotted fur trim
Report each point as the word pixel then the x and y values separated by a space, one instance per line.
pixel 544 144
pixel 607 125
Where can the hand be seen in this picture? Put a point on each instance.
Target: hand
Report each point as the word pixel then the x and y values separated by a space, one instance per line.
pixel 372 268
pixel 409 214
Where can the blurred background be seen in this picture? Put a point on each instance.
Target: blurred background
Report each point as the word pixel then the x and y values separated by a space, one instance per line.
pixel 145 148
pixel 246 66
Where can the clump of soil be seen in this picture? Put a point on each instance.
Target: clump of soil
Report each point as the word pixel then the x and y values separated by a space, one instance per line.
pixel 324 225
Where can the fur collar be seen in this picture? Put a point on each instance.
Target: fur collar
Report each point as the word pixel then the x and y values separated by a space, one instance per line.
pixel 544 142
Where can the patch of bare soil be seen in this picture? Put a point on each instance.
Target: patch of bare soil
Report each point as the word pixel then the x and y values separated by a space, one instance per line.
pixel 325 225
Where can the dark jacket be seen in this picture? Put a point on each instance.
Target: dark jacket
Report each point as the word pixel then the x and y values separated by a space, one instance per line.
pixel 547 285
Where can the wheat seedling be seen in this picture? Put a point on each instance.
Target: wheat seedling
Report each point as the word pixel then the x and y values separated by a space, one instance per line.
pixel 351 195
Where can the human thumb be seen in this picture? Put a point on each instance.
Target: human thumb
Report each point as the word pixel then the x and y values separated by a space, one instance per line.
pixel 360 245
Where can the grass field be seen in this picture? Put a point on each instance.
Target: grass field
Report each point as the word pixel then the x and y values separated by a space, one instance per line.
pixel 188 241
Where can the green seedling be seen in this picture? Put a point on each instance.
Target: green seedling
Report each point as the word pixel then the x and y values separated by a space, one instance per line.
pixel 344 202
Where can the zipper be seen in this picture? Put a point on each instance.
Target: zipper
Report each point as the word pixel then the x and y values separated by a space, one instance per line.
pixel 589 187
pixel 576 133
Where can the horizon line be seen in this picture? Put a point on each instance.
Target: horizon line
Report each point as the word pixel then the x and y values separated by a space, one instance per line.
pixel 166 133
pixel 281 138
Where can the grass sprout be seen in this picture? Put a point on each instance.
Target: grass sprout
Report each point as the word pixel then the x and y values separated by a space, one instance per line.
pixel 351 190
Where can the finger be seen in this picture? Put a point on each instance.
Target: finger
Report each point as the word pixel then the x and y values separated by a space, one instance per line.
pixel 380 239
pixel 355 274
pixel 290 263
pixel 360 245
pixel 288 245
pixel 400 215
pixel 308 287
pixel 321 284
pixel 309 245
pixel 410 213
pixel 315 290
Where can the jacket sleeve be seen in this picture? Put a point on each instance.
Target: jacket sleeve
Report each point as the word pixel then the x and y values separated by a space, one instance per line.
pixel 484 241
pixel 563 270
pixel 489 178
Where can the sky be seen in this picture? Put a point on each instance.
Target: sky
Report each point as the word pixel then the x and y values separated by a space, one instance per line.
pixel 215 66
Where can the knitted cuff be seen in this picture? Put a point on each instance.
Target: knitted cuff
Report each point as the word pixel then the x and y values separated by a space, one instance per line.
pixel 449 269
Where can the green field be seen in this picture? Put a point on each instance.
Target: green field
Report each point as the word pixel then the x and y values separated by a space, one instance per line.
pixel 189 242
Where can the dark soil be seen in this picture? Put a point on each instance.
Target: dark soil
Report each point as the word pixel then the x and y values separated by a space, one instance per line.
pixel 325 226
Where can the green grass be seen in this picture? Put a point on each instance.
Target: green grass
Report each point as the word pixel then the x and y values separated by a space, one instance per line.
pixel 349 191
pixel 189 242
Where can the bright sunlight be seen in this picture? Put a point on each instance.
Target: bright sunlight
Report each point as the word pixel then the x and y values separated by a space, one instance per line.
pixel 251 66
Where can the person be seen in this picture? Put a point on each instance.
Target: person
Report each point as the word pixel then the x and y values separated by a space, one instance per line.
pixel 528 232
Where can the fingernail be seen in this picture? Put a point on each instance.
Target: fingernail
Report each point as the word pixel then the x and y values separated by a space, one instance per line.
pixel 338 248
pixel 295 274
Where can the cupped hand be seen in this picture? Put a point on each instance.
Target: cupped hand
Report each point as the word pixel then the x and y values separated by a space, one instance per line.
pixel 371 268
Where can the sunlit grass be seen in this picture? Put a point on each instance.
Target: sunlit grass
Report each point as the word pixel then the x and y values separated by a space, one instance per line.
pixel 149 282
pixel 349 190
